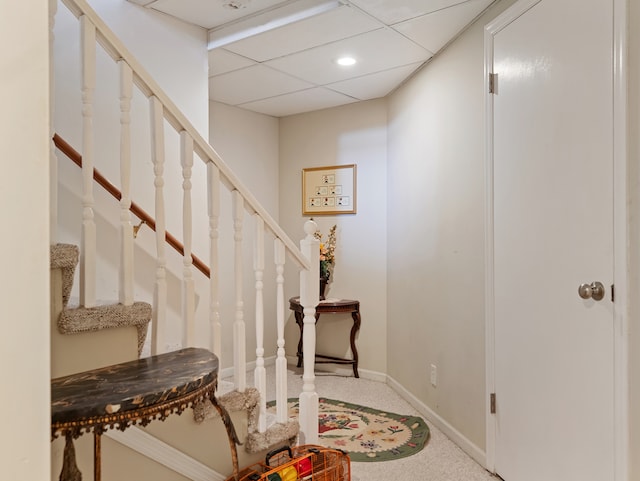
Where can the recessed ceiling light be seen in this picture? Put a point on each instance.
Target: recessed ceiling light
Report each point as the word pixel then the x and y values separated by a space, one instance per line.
pixel 346 61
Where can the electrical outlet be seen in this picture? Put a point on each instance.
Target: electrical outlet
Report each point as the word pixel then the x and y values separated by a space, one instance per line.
pixel 434 375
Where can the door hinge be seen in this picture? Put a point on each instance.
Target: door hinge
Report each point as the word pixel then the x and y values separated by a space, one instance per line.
pixel 613 292
pixel 493 79
pixel 492 403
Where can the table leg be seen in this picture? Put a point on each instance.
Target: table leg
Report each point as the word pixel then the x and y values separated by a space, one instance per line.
pixel 300 322
pixel 356 327
pixel 70 471
pixel 97 455
pixel 231 434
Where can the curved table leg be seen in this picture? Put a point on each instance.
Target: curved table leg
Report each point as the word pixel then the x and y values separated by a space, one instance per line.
pixel 356 327
pixel 299 321
pixel 231 434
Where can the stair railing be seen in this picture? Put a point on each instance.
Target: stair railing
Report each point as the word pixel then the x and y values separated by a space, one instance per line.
pixel 73 155
pixel 162 110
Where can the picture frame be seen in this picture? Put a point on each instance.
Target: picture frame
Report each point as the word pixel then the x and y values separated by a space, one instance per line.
pixel 329 190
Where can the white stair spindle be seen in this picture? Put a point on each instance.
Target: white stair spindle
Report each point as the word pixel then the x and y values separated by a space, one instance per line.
pixel 309 297
pixel 282 412
pixel 188 293
pixel 213 203
pixel 239 334
pixel 88 240
pixel 260 373
pixel 159 320
pixel 126 229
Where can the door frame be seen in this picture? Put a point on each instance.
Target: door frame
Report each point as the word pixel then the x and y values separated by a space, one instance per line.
pixel 620 231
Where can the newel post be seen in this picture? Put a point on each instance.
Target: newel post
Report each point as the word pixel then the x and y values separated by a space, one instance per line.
pixel 309 298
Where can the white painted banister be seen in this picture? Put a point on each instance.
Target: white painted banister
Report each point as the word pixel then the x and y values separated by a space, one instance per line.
pixel 282 411
pixel 88 241
pixel 126 229
pixel 213 204
pixel 260 374
pixel 149 87
pixel 239 335
pixel 159 321
pixel 188 292
pixel 309 298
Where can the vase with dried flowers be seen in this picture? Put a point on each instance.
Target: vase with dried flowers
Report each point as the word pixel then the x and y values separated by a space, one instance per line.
pixel 327 258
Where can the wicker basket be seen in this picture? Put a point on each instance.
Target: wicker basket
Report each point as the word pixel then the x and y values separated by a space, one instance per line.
pixel 302 463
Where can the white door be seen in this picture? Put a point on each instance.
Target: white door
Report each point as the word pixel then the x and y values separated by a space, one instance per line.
pixel 553 230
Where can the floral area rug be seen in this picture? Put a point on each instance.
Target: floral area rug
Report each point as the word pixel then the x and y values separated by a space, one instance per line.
pixel 366 434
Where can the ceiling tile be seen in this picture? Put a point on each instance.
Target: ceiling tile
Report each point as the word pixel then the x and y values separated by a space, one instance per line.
pixel 252 83
pixel 212 13
pixel 298 102
pixel 393 11
pixel 375 51
pixel 375 85
pixel 222 61
pixel 292 68
pixel 433 31
pixel 328 27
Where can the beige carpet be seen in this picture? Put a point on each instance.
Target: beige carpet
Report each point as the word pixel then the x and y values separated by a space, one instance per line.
pixel 440 460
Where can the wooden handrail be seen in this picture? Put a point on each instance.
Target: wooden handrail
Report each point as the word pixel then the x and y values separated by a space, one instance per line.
pixel 138 211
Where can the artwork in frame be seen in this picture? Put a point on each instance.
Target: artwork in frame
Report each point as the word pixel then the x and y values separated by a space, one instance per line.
pixel 329 190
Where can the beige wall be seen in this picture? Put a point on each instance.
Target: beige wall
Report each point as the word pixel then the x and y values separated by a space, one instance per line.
pixel 352 134
pixel 24 196
pixel 436 234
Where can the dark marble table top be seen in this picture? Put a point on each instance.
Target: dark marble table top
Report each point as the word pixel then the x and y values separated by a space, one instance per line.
pixel 132 392
pixel 327 305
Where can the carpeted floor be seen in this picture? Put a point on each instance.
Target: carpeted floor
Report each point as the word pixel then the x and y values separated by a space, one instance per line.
pixel 440 460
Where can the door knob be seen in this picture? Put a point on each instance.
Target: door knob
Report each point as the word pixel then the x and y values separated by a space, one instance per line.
pixel 594 291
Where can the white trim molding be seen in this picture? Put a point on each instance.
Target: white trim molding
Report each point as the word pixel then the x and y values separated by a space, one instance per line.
pixel 140 441
pixel 500 22
pixel 451 432
pixel 621 233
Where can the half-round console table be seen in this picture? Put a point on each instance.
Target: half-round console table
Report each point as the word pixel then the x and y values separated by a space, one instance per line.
pixel 330 306
pixel 130 393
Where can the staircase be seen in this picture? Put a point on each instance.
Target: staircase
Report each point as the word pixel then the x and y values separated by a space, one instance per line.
pixel 145 277
pixel 86 338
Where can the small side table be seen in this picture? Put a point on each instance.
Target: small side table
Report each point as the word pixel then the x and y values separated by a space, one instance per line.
pixel 330 307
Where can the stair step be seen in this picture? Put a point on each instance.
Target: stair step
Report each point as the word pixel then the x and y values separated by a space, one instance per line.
pixel 91 319
pixel 65 257
pixel 255 442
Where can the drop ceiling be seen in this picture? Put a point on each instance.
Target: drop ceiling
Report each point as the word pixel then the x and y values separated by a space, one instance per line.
pixel 291 68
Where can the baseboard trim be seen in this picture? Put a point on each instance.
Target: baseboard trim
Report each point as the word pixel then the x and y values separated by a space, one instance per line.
pixel 452 433
pixel 342 371
pixel 160 452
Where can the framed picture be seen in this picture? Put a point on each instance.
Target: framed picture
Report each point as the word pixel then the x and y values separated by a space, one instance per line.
pixel 329 190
